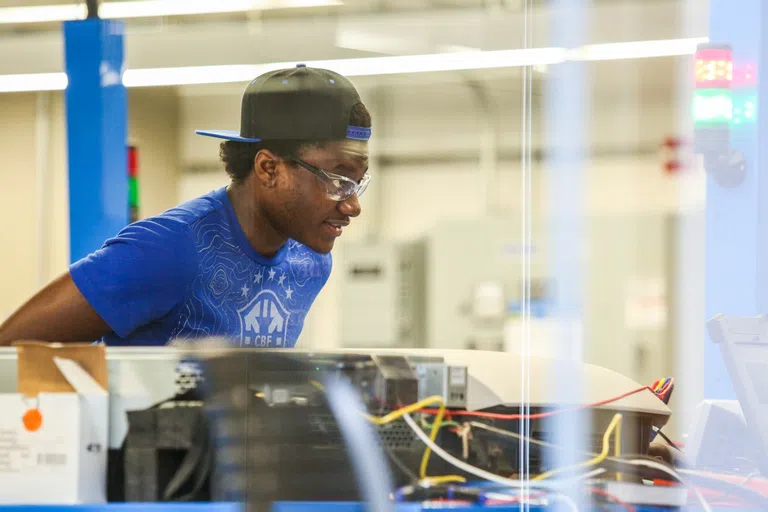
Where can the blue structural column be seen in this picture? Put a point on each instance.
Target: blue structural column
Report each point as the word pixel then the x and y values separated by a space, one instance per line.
pixel 96 112
pixel 737 180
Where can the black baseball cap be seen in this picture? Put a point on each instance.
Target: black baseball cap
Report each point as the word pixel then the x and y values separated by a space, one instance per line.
pixel 300 103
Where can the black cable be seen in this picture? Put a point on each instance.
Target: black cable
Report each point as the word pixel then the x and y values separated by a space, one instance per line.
pixel 624 465
pixel 668 440
pixel 400 464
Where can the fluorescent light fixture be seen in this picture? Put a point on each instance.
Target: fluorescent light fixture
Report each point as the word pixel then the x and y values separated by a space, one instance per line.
pixel 152 8
pixel 639 49
pixel 372 66
pixel 190 75
pixel 297 4
pixel 402 64
pixel 149 8
pixel 368 66
pixel 42 13
pixel 33 82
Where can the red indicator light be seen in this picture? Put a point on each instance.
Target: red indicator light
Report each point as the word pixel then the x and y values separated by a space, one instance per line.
pixel 714 68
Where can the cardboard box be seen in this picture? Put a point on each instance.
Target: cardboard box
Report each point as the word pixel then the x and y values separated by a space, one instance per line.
pixel 54 431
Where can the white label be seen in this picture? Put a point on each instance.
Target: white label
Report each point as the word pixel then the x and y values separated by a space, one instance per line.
pixel 457 376
pixel 51 459
pixel 49 449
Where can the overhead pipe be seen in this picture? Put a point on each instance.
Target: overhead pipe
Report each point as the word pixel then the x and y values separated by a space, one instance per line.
pixel 489 153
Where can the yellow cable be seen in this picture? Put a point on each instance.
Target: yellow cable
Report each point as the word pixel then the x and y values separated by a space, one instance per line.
pixel 613 427
pixel 437 480
pixel 421 404
pixel 394 415
pixel 615 422
pixel 432 437
pixel 617 446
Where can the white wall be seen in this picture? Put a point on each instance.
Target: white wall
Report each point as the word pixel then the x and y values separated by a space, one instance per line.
pixel 17 197
pixel 153 126
pixel 29 203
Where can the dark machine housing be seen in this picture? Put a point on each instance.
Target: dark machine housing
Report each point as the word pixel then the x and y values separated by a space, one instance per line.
pixel 276 438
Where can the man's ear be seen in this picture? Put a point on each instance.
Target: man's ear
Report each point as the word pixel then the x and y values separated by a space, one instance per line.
pixel 265 167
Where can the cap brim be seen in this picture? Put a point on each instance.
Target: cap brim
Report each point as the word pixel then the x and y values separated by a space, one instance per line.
pixel 225 134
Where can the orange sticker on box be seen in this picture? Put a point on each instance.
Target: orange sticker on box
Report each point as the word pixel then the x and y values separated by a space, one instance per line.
pixel 33 420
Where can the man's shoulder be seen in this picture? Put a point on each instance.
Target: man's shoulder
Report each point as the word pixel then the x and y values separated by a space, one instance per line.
pixel 173 226
pixel 196 209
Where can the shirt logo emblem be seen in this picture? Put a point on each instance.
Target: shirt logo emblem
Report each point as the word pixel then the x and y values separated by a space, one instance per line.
pixel 264 321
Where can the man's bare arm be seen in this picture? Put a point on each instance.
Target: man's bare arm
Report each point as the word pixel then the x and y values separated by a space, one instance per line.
pixel 59 312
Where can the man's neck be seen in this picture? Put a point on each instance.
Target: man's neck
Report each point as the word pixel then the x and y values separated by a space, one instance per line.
pixel 262 236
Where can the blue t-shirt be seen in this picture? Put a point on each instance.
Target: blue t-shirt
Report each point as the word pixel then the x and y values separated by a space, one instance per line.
pixel 190 273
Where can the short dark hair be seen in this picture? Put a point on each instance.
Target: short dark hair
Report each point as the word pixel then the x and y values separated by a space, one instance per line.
pixel 238 157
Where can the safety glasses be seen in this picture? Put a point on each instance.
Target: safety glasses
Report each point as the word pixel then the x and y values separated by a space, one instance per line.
pixel 338 187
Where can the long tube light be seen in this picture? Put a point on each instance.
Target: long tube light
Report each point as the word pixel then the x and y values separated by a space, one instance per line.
pixel 148 9
pixel 33 82
pixel 372 66
pixel 42 13
pixel 640 49
pixel 367 66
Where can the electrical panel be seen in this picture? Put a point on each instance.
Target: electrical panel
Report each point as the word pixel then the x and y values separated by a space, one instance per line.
pixel 382 295
pixel 446 381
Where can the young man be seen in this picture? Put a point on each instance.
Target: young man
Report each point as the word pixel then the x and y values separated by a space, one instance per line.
pixel 244 262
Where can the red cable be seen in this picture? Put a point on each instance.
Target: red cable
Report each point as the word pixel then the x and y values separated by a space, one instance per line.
pixel 617 501
pixel 500 416
pixel 514 499
pixel 663 391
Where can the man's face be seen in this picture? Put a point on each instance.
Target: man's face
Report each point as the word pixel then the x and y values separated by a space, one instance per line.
pixel 304 209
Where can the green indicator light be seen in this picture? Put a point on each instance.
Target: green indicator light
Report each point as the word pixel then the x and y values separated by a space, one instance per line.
pixel 744 108
pixel 133 192
pixel 712 106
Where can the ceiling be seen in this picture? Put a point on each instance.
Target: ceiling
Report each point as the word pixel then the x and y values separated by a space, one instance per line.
pixel 365 28
pixel 416 10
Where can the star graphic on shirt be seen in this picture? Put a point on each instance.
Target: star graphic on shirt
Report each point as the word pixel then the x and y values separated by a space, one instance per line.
pixel 280 281
pixel 288 292
pixel 257 278
pixel 272 274
pixel 245 290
